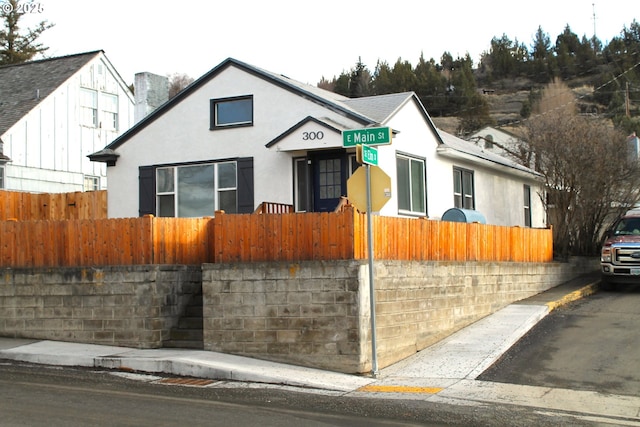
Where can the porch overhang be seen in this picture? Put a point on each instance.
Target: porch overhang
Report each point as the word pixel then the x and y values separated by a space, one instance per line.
pixel 310 134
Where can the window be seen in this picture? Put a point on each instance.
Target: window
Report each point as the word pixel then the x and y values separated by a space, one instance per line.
pixel 463 189
pixel 301 184
pixel 527 206
pixel 1 176
pixel 231 112
pixel 88 107
pixel 196 190
pixel 488 141
pixel 91 183
pixel 109 106
pixel 411 185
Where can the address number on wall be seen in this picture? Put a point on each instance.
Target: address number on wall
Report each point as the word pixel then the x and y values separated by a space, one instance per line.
pixel 311 136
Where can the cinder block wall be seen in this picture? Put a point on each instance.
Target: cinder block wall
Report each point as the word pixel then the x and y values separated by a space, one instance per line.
pixel 317 313
pixel 420 303
pixel 307 313
pixel 125 306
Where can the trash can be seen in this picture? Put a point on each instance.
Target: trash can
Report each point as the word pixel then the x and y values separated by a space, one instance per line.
pixel 463 215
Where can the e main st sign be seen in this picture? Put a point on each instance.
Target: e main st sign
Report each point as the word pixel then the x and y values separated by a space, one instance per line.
pixel 368 136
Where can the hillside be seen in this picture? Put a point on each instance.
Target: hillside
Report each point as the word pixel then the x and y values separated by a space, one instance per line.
pixel 506 97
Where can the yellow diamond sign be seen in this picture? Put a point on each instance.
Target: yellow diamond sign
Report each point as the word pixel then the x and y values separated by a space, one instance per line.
pixel 380 188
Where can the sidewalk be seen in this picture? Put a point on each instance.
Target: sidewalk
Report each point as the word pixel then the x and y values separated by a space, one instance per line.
pixel 462 356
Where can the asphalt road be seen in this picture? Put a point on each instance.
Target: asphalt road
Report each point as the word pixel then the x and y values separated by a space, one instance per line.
pixel 590 345
pixel 36 395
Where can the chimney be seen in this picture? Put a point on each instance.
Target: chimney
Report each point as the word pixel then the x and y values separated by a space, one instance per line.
pixel 151 91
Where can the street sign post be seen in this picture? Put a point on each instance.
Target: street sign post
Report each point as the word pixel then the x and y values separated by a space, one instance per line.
pixel 369 136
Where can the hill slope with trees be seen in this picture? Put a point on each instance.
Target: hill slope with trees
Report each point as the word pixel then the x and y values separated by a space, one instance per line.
pixel 501 89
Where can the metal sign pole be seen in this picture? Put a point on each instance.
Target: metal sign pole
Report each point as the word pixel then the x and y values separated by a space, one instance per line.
pixel 372 297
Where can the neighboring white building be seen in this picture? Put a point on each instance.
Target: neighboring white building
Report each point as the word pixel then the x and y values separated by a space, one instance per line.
pixel 496 140
pixel 240 135
pixel 53 113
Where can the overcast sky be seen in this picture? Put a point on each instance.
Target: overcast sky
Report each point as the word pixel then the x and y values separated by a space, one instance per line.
pixel 307 40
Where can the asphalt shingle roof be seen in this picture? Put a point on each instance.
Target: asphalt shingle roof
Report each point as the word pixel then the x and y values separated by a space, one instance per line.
pixel 23 86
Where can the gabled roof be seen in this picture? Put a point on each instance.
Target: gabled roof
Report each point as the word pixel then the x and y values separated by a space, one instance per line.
pixel 368 111
pixel 380 107
pixel 24 86
pixel 324 121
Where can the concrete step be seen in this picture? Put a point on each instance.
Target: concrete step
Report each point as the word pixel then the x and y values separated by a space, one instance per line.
pixel 194 344
pixel 186 335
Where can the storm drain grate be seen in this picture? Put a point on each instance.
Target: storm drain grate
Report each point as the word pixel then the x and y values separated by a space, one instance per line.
pixel 195 382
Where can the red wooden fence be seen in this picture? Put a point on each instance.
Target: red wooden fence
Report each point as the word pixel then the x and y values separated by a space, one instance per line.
pixel 266 237
pixel 52 206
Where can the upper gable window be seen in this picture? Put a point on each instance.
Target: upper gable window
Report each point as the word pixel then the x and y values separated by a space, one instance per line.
pixel 231 112
pixel 89 107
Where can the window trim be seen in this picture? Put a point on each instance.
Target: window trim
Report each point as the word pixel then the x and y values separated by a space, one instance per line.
pixel 464 195
pixel 423 161
pixel 89 110
pixel 175 192
pixel 527 205
pixel 213 122
pixel 91 183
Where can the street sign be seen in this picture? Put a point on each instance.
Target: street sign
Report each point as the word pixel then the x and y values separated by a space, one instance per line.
pixel 369 136
pixel 366 155
pixel 369 155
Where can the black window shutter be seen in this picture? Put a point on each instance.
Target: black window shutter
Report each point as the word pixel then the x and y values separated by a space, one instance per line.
pixel 147 190
pixel 245 185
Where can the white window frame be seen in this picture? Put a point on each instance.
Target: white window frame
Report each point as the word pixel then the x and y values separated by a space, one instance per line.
pixel 174 190
pixel 89 107
pixel 465 198
pixel 91 183
pixel 527 205
pixel 109 107
pixel 413 161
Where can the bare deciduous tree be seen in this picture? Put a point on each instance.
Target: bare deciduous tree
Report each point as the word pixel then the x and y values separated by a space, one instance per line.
pixel 177 82
pixel 589 172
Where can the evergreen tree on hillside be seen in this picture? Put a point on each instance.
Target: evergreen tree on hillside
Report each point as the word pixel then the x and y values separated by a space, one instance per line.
pixel 382 79
pixel 430 86
pixel 542 60
pixel 360 81
pixel 17 46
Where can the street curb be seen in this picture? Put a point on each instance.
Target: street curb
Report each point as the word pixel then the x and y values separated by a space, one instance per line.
pixel 587 290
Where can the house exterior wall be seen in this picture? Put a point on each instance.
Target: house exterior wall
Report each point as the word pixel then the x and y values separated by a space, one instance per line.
pixel 48 147
pixel 181 134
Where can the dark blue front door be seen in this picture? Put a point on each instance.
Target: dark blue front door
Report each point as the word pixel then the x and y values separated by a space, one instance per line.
pixel 329 180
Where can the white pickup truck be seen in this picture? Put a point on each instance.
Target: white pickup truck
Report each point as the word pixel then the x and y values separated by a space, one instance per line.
pixel 620 254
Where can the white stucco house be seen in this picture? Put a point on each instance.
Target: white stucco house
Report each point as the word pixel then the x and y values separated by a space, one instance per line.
pixel 53 113
pixel 240 135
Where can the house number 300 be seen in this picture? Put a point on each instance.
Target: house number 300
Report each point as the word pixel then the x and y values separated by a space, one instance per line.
pixel 310 136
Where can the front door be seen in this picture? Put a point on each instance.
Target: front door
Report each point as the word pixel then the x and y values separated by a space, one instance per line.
pixel 329 180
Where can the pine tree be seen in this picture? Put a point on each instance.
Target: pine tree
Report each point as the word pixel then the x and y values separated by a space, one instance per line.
pixel 17 47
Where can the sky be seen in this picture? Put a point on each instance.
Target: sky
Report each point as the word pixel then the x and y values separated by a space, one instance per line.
pixel 308 40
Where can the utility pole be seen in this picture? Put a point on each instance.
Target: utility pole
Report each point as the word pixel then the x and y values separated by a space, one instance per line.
pixel 593 5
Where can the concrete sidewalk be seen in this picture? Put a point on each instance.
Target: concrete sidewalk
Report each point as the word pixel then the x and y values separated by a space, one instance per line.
pixel 463 355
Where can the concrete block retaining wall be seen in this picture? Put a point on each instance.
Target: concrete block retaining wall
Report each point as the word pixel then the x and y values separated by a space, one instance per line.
pixel 312 313
pixel 124 306
pixel 317 313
